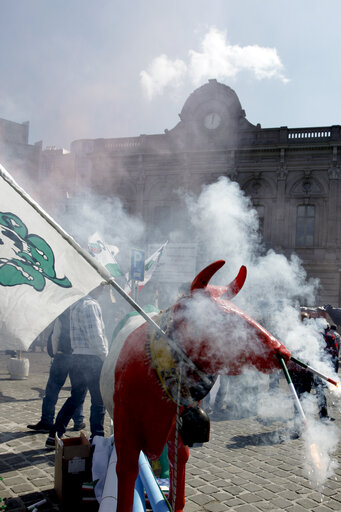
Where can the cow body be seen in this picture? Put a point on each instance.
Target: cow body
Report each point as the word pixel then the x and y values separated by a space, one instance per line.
pixel 144 407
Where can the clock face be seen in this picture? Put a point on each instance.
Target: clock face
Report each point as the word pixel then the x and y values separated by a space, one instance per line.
pixel 212 121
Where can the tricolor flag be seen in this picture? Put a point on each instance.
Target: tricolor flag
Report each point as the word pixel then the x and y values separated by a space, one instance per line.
pixel 150 266
pixel 42 269
pixel 105 254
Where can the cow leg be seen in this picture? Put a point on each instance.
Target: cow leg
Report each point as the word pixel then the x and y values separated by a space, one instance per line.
pixel 182 458
pixel 127 468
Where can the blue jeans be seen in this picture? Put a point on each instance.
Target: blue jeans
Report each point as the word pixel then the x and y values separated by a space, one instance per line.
pixel 58 373
pixel 84 374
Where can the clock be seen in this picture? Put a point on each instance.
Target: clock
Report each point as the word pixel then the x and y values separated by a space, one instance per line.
pixel 212 120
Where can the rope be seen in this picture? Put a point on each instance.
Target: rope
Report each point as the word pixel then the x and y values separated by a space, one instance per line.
pixel 176 439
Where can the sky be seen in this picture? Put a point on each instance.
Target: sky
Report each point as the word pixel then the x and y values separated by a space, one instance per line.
pixel 80 69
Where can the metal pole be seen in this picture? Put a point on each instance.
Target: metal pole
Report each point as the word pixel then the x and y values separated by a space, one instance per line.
pixel 151 322
pixel 293 390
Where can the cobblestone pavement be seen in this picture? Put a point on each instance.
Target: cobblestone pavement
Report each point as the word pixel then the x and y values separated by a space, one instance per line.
pixel 248 465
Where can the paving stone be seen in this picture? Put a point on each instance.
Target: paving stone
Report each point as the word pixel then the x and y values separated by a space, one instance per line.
pixel 306 503
pixel 202 499
pixel 265 494
pixel 12 480
pixel 265 505
pixel 41 482
pixel 216 507
pixel 196 483
pixel 233 502
pixel 281 502
pixel 288 495
pixel 193 507
pixel 333 505
pixel 296 508
pixel 250 497
pixel 321 508
pixel 337 497
pixel 251 487
pixel 273 488
pixel 207 489
pixel 222 483
pixel 22 488
pixel 221 496
pixel 235 490
pixel 246 508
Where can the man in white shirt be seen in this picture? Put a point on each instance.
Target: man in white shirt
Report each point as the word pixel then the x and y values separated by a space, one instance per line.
pixel 89 349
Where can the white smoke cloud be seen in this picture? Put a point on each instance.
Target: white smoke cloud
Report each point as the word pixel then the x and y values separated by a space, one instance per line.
pixel 217 58
pixel 221 59
pixel 226 225
pixel 93 213
pixel 162 72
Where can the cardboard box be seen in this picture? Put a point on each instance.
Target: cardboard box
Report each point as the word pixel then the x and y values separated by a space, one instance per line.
pixel 72 468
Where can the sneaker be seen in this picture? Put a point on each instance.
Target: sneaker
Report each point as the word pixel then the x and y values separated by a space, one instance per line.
pixel 78 427
pixel 50 442
pixel 295 434
pixel 327 419
pixel 41 426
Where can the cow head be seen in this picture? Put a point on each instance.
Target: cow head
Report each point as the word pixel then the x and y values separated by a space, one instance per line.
pixel 219 336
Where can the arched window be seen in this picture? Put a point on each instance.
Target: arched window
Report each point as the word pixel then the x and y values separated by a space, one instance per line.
pixel 305 225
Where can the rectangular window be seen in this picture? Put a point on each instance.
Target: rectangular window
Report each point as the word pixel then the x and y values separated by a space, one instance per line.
pixel 305 225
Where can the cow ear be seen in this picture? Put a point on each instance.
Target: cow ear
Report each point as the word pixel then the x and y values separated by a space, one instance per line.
pixel 203 278
pixel 236 285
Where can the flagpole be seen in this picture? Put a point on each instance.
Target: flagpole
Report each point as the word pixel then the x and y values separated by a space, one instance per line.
pixel 102 271
pixel 312 370
pixel 151 322
pixel 293 390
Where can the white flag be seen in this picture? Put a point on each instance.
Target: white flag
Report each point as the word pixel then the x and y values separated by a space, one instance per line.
pixel 105 254
pixel 42 269
pixel 150 266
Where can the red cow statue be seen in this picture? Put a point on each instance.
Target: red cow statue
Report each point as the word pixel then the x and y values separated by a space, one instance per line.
pixel 140 377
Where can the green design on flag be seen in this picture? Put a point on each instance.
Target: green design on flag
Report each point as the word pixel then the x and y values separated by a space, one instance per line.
pixel 25 258
pixel 105 254
pixel 149 265
pixel 114 269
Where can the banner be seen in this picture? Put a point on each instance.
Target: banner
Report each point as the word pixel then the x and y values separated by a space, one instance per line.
pixel 42 269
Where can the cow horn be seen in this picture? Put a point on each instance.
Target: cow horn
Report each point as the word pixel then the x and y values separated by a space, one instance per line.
pixel 236 285
pixel 203 278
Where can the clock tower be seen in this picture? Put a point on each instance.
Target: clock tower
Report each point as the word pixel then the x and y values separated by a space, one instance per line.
pixel 211 117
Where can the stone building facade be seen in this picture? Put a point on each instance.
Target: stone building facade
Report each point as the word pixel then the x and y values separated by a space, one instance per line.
pixel 292 176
